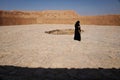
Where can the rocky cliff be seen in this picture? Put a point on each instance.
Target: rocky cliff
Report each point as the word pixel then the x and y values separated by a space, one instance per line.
pixel 16 18
pixel 54 17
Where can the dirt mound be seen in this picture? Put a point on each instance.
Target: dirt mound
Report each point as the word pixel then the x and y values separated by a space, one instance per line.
pixel 62 31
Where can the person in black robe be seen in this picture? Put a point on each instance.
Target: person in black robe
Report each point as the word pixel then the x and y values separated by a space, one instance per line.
pixel 77 35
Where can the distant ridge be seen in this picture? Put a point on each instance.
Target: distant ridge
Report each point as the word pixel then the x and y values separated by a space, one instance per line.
pixel 16 17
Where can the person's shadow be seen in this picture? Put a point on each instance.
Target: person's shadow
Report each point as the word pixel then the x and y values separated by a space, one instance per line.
pixel 25 73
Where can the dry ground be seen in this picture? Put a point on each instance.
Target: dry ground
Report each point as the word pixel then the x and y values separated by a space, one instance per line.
pixel 30 46
pixel 42 56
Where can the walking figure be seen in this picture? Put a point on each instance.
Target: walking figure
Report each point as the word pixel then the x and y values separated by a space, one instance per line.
pixel 77 33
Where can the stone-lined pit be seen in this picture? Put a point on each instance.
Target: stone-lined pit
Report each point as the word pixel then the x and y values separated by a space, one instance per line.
pixel 62 32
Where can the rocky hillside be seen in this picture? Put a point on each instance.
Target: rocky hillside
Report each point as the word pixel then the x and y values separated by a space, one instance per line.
pixel 54 17
pixel 101 20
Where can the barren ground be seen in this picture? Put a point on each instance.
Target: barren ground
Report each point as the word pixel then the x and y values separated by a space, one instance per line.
pixel 30 46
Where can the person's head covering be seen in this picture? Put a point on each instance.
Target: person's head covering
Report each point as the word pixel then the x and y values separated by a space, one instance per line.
pixel 77 22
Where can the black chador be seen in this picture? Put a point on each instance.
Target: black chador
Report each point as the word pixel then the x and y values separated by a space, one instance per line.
pixel 77 35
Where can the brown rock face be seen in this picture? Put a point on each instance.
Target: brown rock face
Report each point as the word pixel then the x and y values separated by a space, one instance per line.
pixel 16 18
pixel 54 17
pixel 101 20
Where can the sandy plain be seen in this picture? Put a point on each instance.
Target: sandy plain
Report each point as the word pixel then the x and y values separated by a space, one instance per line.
pixel 30 46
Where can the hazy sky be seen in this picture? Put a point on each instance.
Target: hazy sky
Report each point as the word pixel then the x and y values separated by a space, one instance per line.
pixel 83 7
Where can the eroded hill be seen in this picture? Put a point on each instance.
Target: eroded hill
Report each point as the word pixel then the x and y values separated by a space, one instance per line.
pixel 54 17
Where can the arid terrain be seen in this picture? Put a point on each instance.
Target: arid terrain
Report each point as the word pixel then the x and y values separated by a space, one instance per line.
pixel 14 17
pixel 29 47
